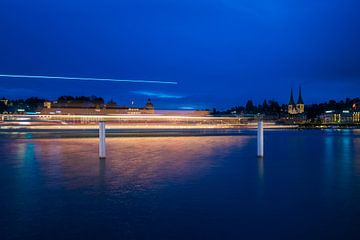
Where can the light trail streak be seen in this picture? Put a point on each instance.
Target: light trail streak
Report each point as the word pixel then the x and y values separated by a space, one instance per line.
pixel 84 79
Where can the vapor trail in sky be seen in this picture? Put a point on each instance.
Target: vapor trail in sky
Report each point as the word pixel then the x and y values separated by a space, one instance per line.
pixel 84 79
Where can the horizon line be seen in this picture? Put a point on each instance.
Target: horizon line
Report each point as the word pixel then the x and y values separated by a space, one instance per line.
pixel 87 79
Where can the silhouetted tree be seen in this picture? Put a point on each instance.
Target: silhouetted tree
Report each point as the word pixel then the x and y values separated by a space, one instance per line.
pixel 3 107
pixel 265 107
pixel 274 107
pixel 34 103
pixel 250 108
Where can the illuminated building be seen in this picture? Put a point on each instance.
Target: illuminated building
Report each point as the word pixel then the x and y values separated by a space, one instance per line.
pixel 93 109
pixel 337 117
pixel 149 106
pixel 355 113
pixel 47 104
pixel 4 101
pixel 299 107
pixel 356 117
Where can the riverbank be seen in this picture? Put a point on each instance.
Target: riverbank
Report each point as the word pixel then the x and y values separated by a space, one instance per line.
pixel 328 126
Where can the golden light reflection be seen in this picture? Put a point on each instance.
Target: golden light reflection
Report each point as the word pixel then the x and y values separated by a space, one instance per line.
pixel 131 162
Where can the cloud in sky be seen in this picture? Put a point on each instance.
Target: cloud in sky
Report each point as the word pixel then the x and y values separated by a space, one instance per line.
pixel 158 94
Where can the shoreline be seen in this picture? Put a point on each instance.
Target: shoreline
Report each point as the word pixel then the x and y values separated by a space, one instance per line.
pixel 328 126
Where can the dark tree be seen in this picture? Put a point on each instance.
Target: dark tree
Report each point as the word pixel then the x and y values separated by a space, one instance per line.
pixel 265 107
pixel 34 103
pixel 274 108
pixel 65 99
pixel 3 107
pixel 250 108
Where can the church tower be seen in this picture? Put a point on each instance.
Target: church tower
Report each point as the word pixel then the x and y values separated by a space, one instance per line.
pixel 299 107
pixel 292 106
pixel 300 103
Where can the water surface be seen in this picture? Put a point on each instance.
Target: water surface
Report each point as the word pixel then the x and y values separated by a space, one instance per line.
pixel 200 187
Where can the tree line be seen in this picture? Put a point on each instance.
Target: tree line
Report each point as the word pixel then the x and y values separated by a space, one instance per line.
pixel 267 107
pixel 34 103
pixel 274 108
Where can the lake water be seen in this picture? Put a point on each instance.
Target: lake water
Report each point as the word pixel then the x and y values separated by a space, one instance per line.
pixel 200 187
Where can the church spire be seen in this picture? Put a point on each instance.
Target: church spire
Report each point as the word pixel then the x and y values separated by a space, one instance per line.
pixel 292 101
pixel 300 100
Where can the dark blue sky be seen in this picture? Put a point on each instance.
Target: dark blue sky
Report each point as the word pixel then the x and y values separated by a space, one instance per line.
pixel 222 52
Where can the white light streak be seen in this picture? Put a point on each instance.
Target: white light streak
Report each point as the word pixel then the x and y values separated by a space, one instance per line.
pixel 85 79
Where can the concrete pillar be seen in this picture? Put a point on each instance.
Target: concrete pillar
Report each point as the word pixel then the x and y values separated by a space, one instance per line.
pixel 102 140
pixel 260 139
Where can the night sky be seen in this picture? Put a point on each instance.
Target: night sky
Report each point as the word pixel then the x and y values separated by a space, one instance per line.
pixel 222 52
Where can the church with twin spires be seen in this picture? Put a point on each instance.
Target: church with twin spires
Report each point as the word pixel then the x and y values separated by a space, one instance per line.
pixel 299 107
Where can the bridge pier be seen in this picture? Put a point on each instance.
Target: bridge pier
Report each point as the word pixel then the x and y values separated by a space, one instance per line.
pixel 260 139
pixel 102 140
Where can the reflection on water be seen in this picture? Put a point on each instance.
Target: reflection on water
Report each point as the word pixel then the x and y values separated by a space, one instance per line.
pixel 136 162
pixel 356 150
pixel 261 168
pixel 356 144
pixel 341 158
pixel 329 158
pixel 306 187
